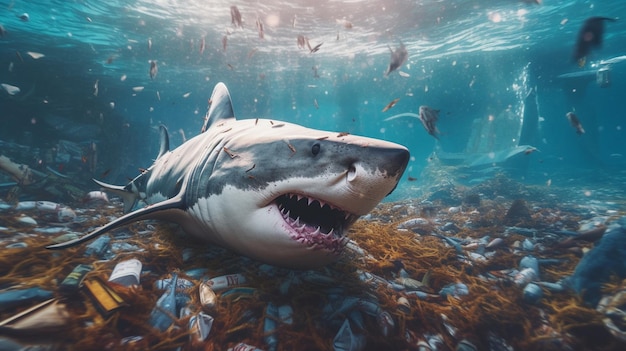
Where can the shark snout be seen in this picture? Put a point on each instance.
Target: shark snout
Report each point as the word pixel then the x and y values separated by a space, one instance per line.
pixel 376 172
pixel 390 162
pixel 394 160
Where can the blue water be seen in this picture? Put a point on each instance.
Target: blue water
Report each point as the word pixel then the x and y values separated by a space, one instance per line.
pixel 469 59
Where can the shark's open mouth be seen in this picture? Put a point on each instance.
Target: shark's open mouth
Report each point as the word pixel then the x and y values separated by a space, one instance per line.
pixel 314 222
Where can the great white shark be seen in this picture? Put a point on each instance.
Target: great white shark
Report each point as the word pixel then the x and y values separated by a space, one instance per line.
pixel 274 191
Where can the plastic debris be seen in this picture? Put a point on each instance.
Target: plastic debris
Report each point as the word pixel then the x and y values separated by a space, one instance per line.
pixel 244 347
pixel 74 280
pixel 163 313
pixel 200 326
pixel 27 221
pixel 346 340
pixel 525 276
pixel 532 293
pixel 385 323
pixel 47 317
pixel 226 281
pixel 285 314
pixel 207 295
pixel 269 326
pixel 107 300
pixel 455 290
pixel 18 297
pixel 98 247
pixel 127 272
pixel 605 259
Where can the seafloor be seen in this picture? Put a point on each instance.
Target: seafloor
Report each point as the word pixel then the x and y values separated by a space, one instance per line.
pixel 437 272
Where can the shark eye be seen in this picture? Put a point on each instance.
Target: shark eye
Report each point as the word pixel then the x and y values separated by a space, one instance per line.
pixel 315 149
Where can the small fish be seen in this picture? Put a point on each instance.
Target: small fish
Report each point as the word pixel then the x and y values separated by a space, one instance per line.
pixel 575 122
pixel 316 48
pixel 154 69
pixel 293 22
pixel 391 104
pixel 398 58
pixel 315 74
pixel 235 17
pixel 589 37
pixel 317 106
pixel 3 32
pixel 224 42
pixel 302 42
pixel 202 45
pixel 149 44
pixel 95 88
pixel 429 118
pixel 259 27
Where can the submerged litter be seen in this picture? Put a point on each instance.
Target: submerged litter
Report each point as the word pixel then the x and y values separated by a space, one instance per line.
pixel 416 276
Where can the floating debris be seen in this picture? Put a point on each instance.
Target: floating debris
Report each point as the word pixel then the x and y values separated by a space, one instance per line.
pixel 391 104
pixel 154 69
pixel 10 89
pixel 35 55
pixel 235 17
pixel 575 122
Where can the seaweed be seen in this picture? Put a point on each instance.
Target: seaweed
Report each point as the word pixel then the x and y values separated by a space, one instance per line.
pixel 493 309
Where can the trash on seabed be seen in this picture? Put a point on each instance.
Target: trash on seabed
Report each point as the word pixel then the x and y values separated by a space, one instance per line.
pixel 126 273
pixel 226 281
pixel 74 280
pixel 14 298
pixel 161 315
pixel 98 247
pixel 346 340
pixel 207 295
pixel 107 300
pixel 46 317
pixel 200 326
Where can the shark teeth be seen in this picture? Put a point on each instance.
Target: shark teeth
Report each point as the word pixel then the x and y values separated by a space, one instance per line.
pixel 315 222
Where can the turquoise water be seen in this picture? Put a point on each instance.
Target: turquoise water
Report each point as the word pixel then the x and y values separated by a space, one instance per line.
pixel 79 100
pixel 469 59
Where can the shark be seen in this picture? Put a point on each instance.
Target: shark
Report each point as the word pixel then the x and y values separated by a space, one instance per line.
pixel 274 191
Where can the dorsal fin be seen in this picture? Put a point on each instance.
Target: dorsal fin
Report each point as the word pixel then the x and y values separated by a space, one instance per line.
pixel 221 107
pixel 165 141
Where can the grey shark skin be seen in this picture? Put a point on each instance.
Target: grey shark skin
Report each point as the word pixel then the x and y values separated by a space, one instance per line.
pixel 274 191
